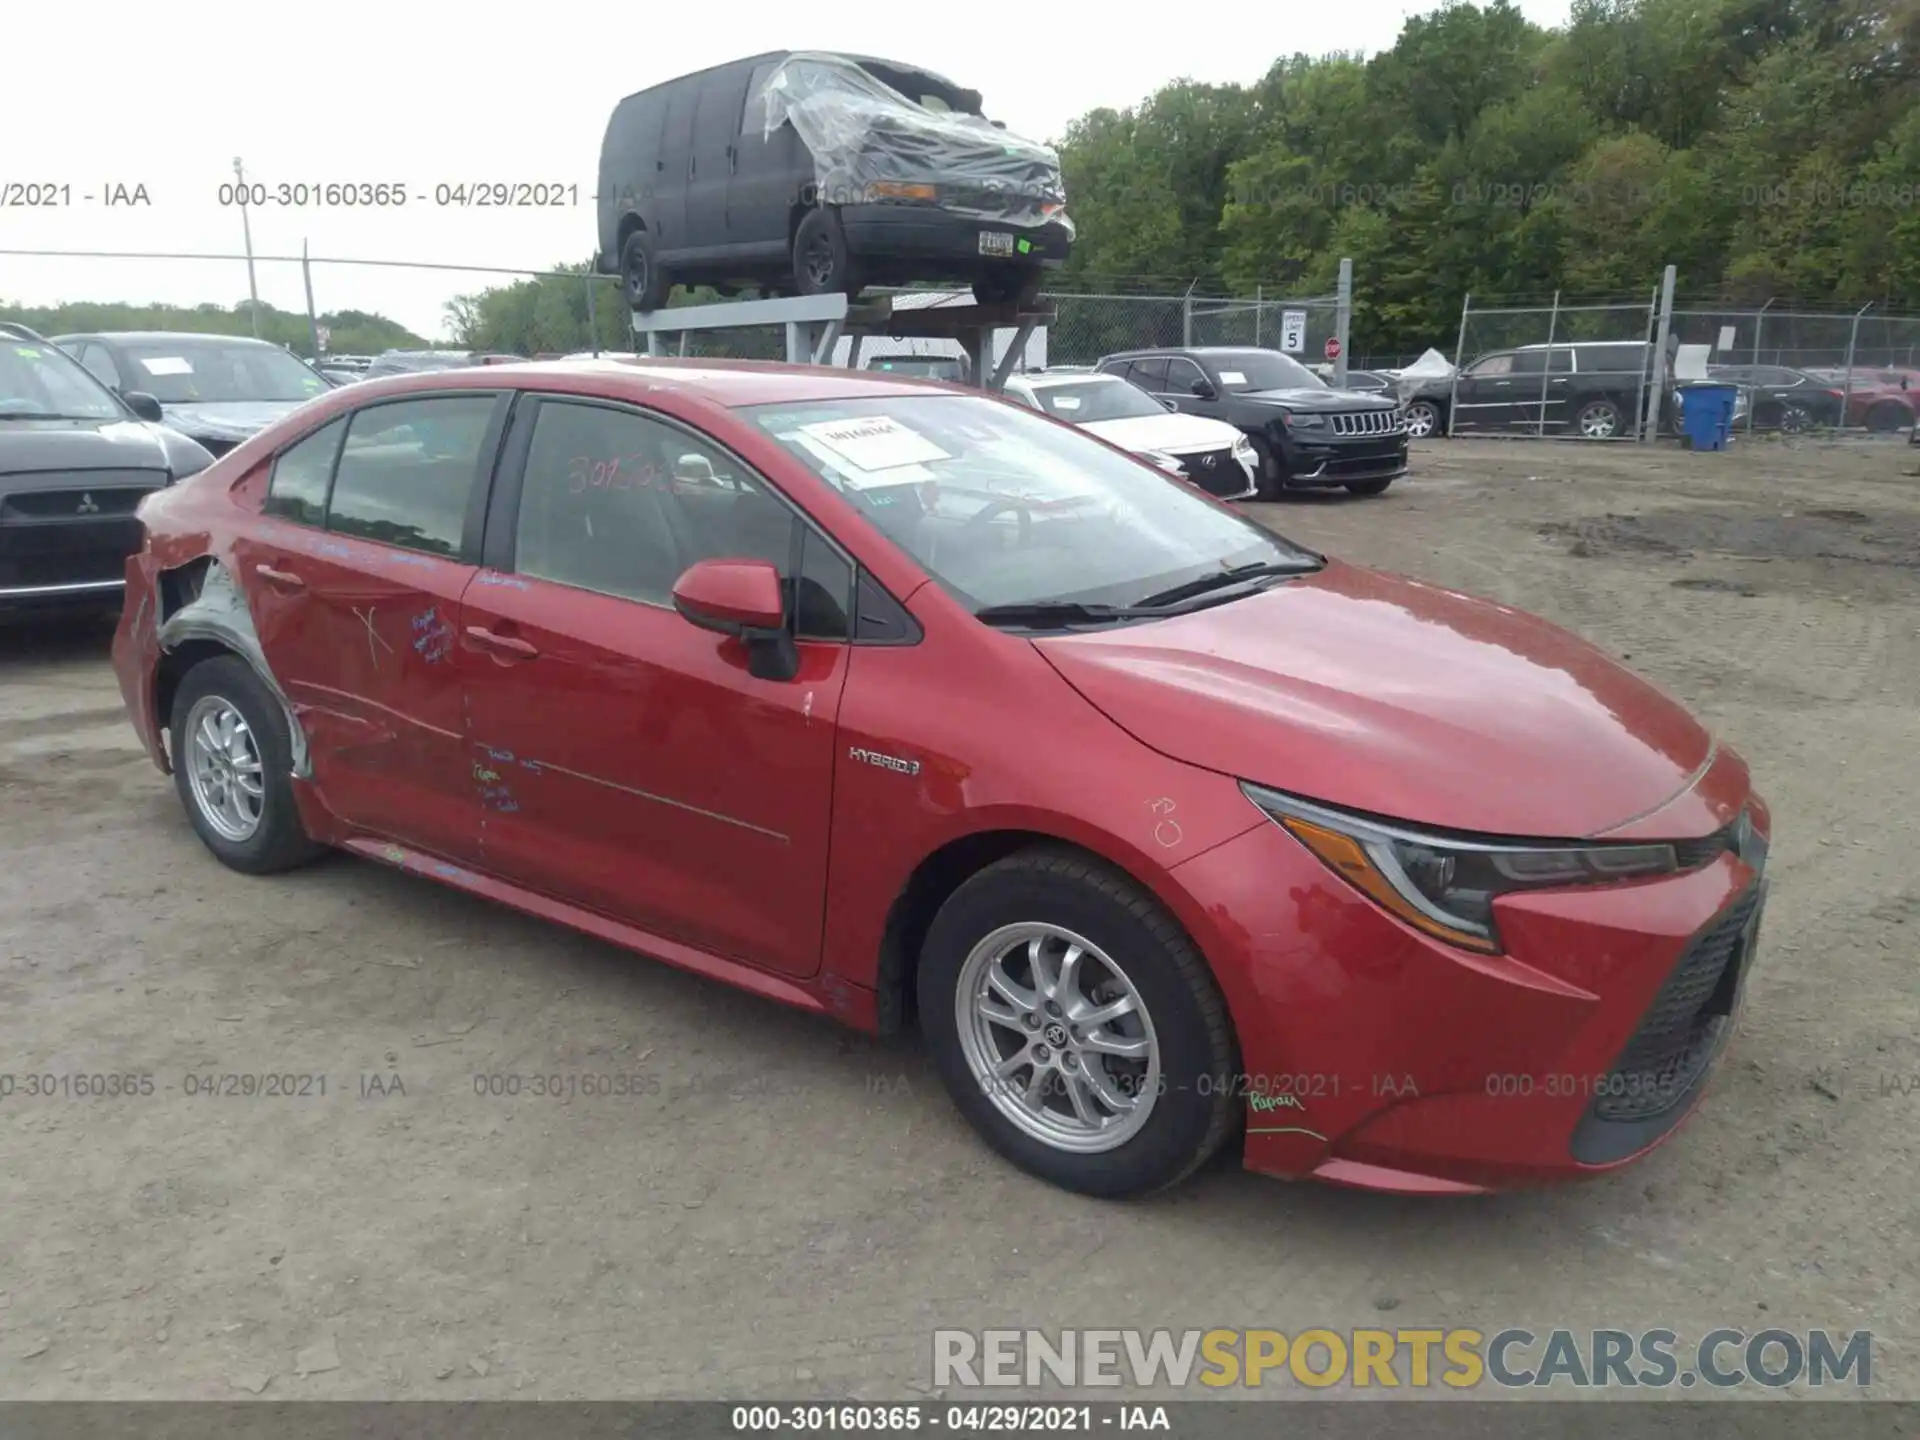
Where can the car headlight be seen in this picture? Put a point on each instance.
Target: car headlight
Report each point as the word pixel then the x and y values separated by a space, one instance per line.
pixel 1165 461
pixel 1243 450
pixel 1305 422
pixel 1441 884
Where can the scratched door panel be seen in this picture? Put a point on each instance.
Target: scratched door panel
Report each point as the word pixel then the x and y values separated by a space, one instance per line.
pixel 632 765
pixel 371 676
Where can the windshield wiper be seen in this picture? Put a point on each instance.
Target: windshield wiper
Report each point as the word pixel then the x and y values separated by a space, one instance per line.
pixel 42 415
pixel 1221 579
pixel 1057 614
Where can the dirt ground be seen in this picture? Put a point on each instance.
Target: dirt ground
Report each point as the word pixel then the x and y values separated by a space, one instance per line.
pixel 784 1209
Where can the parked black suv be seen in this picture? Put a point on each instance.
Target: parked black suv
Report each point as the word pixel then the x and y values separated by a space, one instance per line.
pixel 1307 435
pixel 810 173
pixel 76 459
pixel 1597 390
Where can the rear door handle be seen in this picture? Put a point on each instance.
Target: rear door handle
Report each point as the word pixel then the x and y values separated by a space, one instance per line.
pixel 502 644
pixel 285 579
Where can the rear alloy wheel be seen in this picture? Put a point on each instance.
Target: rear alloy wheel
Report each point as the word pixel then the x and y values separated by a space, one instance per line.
pixel 645 283
pixel 1076 1027
pixel 1423 420
pixel 1598 420
pixel 821 264
pixel 1793 420
pixel 231 757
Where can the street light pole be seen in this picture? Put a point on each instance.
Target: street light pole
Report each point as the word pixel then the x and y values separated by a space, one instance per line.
pixel 246 229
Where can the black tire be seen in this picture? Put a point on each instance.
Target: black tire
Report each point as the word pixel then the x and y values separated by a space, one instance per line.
pixel 1268 482
pixel 1193 1111
pixel 1370 487
pixel 821 264
pixel 1598 420
pixel 646 285
pixel 279 842
pixel 1887 417
pixel 1437 423
pixel 1018 284
pixel 1794 420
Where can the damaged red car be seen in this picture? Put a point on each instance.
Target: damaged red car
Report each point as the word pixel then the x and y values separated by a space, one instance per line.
pixel 899 703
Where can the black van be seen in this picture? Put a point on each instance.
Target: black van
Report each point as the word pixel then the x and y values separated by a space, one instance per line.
pixel 799 172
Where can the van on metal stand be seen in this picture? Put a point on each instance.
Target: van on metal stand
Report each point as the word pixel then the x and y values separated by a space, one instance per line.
pixel 815 324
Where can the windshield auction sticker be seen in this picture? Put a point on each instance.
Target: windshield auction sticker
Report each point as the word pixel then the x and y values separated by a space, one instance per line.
pixel 874 443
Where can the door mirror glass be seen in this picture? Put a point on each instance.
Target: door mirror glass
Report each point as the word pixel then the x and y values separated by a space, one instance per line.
pixel 142 404
pixel 1204 390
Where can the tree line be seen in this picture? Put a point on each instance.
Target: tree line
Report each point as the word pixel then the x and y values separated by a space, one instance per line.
pixel 350 332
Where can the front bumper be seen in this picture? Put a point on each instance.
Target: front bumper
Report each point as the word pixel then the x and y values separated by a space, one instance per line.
pixel 53 553
pixel 1309 461
pixel 1380 1058
pixel 926 233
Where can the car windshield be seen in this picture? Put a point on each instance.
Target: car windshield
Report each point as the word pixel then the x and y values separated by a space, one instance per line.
pixel 198 372
pixel 1084 401
pixel 40 379
pixel 1004 507
pixel 1241 370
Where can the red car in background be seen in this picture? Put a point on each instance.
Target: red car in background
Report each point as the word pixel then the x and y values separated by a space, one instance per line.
pixel 887 700
pixel 1878 399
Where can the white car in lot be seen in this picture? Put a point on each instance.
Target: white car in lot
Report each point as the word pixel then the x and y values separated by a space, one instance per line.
pixel 1209 454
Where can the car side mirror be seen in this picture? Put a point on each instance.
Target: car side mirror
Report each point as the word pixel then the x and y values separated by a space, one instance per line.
pixel 745 601
pixel 142 404
pixel 1204 390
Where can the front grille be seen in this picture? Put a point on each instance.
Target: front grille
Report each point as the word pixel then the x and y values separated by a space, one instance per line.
pixel 1681 1032
pixel 76 504
pixel 1215 471
pixel 1367 422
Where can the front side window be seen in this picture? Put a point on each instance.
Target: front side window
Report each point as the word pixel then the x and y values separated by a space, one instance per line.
pixel 408 470
pixel 41 381
pixel 1493 365
pixel 204 372
pixel 622 503
pixel 1002 507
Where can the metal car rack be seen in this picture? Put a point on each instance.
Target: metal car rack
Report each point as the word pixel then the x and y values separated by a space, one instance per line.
pixel 815 324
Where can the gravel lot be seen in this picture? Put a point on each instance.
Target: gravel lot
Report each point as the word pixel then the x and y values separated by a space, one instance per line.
pixel 790 1210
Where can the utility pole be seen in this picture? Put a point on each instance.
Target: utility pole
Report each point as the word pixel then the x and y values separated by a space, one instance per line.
pixel 246 229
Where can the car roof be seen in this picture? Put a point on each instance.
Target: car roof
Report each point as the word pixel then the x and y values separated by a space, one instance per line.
pixel 727 383
pixel 1043 380
pixel 785 54
pixel 164 337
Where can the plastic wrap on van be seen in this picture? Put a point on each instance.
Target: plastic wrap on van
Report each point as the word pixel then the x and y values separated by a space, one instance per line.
pixel 873 145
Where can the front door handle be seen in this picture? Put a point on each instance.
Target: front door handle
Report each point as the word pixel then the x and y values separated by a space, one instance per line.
pixel 285 579
pixel 502 644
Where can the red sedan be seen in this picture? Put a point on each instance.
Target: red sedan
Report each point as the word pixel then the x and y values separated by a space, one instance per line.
pixel 885 699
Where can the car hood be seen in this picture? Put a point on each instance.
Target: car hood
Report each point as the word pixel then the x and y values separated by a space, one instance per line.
pixel 32 446
pixel 1166 431
pixel 1400 699
pixel 1318 399
pixel 227 420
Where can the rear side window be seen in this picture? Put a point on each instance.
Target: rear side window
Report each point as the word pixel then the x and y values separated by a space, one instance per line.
pixel 408 470
pixel 1150 375
pixel 1618 360
pixel 297 490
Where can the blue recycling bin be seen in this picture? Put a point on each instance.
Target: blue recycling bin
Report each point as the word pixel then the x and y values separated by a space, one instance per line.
pixel 1706 415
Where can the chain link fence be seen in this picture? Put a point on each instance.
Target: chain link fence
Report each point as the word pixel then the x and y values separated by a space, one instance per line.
pixel 1559 371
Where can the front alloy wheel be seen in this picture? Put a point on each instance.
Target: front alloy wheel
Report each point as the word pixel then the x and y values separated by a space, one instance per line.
pixel 1057 1037
pixel 1076 1025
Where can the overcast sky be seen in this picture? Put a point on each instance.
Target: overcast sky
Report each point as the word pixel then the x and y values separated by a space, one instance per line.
pixel 423 92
